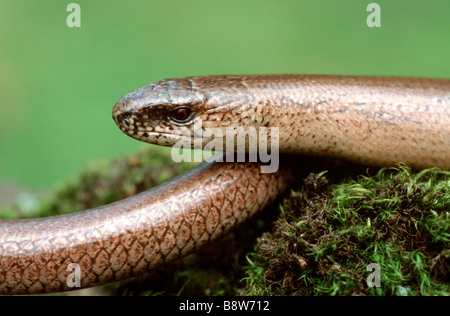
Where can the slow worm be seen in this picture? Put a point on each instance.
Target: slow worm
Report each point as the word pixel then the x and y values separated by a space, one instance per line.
pixel 377 121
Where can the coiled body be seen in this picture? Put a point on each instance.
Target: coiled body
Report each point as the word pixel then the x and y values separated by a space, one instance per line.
pixel 375 121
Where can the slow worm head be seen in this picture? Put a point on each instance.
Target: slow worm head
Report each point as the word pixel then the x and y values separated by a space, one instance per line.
pixel 370 120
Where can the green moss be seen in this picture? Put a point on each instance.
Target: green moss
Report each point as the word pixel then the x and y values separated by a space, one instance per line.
pixel 102 182
pixel 327 232
pixel 327 235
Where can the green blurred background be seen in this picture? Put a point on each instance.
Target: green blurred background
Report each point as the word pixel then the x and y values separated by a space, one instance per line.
pixel 58 84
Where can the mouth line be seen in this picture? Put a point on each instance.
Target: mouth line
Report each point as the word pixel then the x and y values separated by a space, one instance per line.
pixel 157 135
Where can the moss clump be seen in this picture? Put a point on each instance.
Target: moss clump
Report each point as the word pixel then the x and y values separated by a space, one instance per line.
pixel 102 182
pixel 327 235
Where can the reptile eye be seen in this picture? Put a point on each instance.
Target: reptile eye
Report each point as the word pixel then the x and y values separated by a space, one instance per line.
pixel 180 115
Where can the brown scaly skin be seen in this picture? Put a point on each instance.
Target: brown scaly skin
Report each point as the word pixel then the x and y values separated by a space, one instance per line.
pixel 376 121
pixel 127 238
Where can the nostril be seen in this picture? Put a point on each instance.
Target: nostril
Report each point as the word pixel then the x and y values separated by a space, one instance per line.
pixel 121 113
pixel 122 119
pixel 125 117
